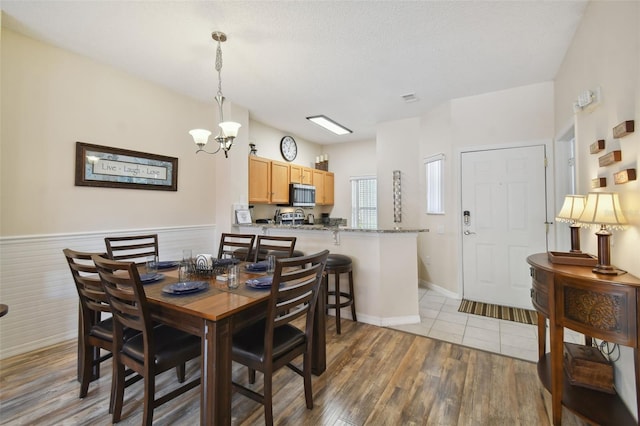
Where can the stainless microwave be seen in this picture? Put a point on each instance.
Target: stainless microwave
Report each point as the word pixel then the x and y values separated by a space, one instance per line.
pixel 301 195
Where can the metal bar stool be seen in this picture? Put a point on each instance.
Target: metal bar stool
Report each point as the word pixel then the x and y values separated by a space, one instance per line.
pixel 340 264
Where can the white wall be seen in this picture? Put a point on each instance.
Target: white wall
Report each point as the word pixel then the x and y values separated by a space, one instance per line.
pixel 397 144
pixel 605 52
pixel 513 116
pixel 347 160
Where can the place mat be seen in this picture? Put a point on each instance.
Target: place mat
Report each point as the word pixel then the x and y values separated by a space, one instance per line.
pixel 525 316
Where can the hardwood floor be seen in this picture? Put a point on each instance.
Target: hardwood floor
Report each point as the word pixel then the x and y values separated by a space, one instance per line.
pixel 375 376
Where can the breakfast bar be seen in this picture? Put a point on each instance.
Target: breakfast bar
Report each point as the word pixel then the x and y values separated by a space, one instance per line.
pixel 385 265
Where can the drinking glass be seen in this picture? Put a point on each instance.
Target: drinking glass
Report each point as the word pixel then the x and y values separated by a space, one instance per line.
pixel 152 264
pixel 232 276
pixel 271 264
pixel 186 255
pixel 185 272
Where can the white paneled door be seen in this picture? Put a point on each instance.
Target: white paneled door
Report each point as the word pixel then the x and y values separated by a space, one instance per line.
pixel 503 221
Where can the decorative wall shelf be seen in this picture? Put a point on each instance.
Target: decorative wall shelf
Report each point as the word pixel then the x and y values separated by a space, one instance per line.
pixel 600 182
pixel 623 129
pixel 597 146
pixel 624 176
pixel 610 158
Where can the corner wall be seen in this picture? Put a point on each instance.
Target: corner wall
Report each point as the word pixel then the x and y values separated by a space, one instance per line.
pixel 488 120
pixel 605 52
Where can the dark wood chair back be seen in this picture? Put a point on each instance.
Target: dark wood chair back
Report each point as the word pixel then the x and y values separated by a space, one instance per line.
pixel 281 247
pixel 155 349
pixel 132 248
pixel 238 245
pixel 94 331
pixel 277 340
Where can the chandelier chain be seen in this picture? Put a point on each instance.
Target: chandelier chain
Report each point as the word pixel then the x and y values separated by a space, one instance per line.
pixel 219 67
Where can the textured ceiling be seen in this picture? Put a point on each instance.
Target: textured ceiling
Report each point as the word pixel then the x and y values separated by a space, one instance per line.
pixel 285 60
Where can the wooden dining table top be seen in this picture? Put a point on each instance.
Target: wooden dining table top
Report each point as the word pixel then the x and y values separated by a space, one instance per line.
pixel 216 302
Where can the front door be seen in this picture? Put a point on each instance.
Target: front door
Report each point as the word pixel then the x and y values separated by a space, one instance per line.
pixel 503 221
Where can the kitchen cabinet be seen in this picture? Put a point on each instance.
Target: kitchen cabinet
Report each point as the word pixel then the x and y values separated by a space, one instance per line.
pixel 259 180
pixel 268 181
pixel 324 182
pixel 301 174
pixel 279 182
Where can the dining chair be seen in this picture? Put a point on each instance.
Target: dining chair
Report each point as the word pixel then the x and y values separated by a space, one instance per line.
pixel 281 247
pixel 132 248
pixel 276 341
pixel 156 349
pixel 239 245
pixel 94 332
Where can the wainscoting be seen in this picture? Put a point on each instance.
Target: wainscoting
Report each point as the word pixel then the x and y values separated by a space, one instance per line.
pixel 36 283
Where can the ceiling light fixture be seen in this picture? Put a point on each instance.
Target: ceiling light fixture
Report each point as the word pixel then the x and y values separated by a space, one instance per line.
pixel 329 124
pixel 228 129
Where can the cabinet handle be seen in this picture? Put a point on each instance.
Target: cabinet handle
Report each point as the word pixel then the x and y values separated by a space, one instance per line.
pixel 532 272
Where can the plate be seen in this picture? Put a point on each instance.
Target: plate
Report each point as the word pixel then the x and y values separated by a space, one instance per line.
pixel 150 278
pixel 262 282
pixel 168 264
pixel 257 267
pixel 187 287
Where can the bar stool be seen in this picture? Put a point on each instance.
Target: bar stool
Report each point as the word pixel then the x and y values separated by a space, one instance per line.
pixel 340 264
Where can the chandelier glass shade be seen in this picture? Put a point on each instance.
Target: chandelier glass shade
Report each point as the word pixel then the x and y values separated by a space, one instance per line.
pixel 228 129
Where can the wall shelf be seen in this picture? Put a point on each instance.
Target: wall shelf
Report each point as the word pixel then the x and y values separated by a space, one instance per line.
pixel 597 146
pixel 623 129
pixel 610 158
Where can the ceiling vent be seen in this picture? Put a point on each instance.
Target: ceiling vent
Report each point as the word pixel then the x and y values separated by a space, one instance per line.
pixel 410 97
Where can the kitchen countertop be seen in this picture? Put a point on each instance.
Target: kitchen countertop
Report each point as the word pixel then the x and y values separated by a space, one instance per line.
pixel 320 227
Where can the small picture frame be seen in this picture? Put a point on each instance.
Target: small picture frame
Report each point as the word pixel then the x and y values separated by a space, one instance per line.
pixel 243 217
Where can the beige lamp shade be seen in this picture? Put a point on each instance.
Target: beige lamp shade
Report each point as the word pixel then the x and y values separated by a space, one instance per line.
pixel 603 208
pixel 572 208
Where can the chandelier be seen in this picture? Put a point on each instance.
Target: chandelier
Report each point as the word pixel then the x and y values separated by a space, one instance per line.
pixel 228 129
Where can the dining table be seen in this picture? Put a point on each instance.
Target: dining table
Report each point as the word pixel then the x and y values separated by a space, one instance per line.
pixel 214 314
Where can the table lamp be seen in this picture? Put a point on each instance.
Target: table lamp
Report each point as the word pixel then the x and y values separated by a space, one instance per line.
pixel 603 208
pixel 570 212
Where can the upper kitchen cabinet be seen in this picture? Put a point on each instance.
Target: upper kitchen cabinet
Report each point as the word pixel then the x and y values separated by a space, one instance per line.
pixel 279 182
pixel 268 181
pixel 323 181
pixel 301 174
pixel 259 180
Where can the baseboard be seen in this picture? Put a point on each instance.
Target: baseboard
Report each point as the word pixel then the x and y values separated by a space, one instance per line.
pixel 448 293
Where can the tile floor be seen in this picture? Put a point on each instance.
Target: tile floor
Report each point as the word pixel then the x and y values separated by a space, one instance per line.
pixel 440 319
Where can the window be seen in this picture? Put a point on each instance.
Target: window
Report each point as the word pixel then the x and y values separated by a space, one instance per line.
pixel 434 166
pixel 364 202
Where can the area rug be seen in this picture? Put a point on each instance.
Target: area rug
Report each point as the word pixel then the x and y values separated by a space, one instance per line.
pixel 525 316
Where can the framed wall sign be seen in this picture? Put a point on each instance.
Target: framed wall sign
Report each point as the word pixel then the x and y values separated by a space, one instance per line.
pixel 121 168
pixel 243 217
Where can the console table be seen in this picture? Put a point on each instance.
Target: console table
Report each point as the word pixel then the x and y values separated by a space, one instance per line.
pixel 600 306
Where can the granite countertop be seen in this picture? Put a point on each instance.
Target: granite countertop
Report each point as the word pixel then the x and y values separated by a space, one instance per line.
pixel 333 228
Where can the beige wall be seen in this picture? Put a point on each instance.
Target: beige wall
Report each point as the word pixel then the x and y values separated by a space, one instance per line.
pixel 606 52
pixel 52 98
pixel 349 160
pixel 482 121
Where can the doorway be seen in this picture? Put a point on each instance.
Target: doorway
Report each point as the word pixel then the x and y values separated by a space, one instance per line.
pixel 504 220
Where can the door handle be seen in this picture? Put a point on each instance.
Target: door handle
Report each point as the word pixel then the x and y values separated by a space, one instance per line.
pixel 467 232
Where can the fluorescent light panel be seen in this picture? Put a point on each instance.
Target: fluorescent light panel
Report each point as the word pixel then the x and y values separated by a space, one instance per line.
pixel 329 124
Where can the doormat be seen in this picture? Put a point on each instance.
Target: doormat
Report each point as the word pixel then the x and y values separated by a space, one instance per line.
pixel 525 316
